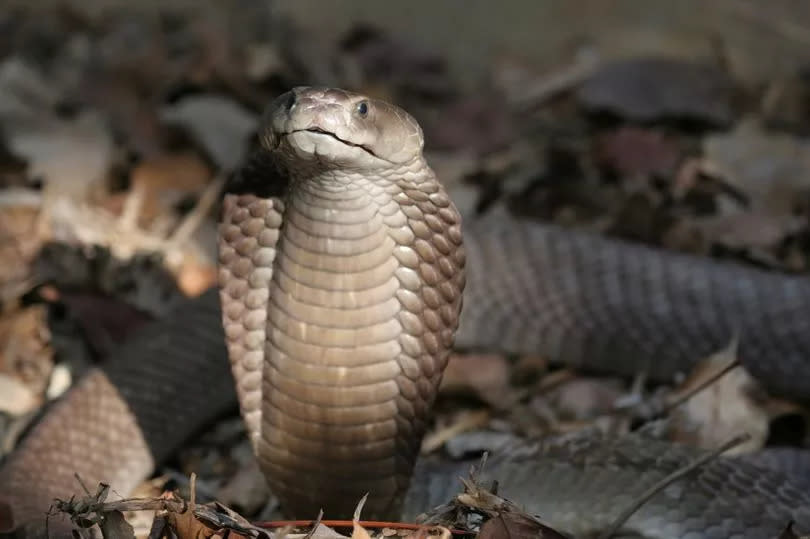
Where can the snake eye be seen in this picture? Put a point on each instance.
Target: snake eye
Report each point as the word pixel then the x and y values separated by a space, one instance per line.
pixel 362 108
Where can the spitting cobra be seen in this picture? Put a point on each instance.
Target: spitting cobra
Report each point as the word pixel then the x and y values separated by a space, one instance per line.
pixel 342 271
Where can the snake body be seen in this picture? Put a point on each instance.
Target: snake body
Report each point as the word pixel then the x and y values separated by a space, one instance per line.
pixel 341 297
pixel 347 252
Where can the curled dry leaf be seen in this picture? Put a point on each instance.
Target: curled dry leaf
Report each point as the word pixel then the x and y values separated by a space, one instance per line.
pixel 727 407
pixel 508 520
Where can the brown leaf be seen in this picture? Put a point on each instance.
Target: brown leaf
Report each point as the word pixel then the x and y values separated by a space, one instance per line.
pixel 484 375
pixel 19 242
pixel 650 89
pixel 115 526
pixel 516 526
pixel 508 518
pixel 727 407
pixel 166 179
pixel 26 359
pixel 772 169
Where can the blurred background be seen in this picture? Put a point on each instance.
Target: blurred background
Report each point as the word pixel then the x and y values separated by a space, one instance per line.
pixel 681 125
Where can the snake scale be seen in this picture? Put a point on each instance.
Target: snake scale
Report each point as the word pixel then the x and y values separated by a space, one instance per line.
pixel 342 270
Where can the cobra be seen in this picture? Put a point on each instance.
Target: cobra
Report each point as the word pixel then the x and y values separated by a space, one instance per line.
pixel 342 271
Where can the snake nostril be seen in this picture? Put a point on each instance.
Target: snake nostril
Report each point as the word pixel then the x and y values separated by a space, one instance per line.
pixel 289 103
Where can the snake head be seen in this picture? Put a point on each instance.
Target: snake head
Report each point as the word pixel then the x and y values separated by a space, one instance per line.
pixel 329 128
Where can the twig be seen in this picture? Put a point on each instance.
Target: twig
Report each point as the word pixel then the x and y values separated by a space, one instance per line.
pixel 196 216
pixel 703 385
pixel 671 478
pixel 541 89
pixel 132 208
pixel 140 504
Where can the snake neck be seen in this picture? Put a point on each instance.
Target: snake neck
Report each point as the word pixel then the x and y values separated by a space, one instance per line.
pixel 340 347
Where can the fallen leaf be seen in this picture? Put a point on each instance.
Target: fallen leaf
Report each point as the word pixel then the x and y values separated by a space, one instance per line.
pixel 727 407
pixel 651 89
pixel 19 242
pixel 71 156
pixel 772 169
pixel 463 422
pixel 585 398
pixel 786 104
pixel 26 358
pixel 484 375
pixel 637 152
pixel 510 525
pixel 167 179
pixel 15 397
pixel 220 125
pixel 115 526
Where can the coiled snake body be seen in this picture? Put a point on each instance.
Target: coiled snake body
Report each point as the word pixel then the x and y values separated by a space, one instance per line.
pixel 342 270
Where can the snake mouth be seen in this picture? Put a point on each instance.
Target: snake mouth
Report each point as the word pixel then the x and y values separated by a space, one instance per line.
pixel 319 131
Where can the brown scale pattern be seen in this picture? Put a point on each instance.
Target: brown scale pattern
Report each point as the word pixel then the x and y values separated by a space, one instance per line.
pixel 363 293
pixel 248 234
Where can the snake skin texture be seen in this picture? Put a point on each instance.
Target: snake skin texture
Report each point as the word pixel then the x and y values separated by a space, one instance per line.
pixel 117 423
pixel 611 306
pixel 581 486
pixel 340 297
pixel 574 297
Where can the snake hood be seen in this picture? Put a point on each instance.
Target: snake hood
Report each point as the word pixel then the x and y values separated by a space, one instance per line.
pixel 331 128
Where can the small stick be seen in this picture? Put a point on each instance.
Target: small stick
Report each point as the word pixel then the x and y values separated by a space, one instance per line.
pixel 195 217
pixel 700 387
pixel 671 478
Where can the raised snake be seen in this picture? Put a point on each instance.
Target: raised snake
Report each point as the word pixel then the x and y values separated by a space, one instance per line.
pixel 344 249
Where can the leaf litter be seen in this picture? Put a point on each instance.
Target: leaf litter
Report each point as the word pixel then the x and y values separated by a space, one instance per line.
pixel 117 131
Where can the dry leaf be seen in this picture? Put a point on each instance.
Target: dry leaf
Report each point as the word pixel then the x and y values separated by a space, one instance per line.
pixel 71 156
pixel 510 525
pixel 635 151
pixel 484 375
pixel 219 124
pixel 722 410
pixel 649 89
pixel 165 180
pixel 772 169
pixel 585 398
pixel 115 526
pixel 26 359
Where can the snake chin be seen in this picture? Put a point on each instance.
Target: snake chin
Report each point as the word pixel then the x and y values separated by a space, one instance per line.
pixel 323 147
